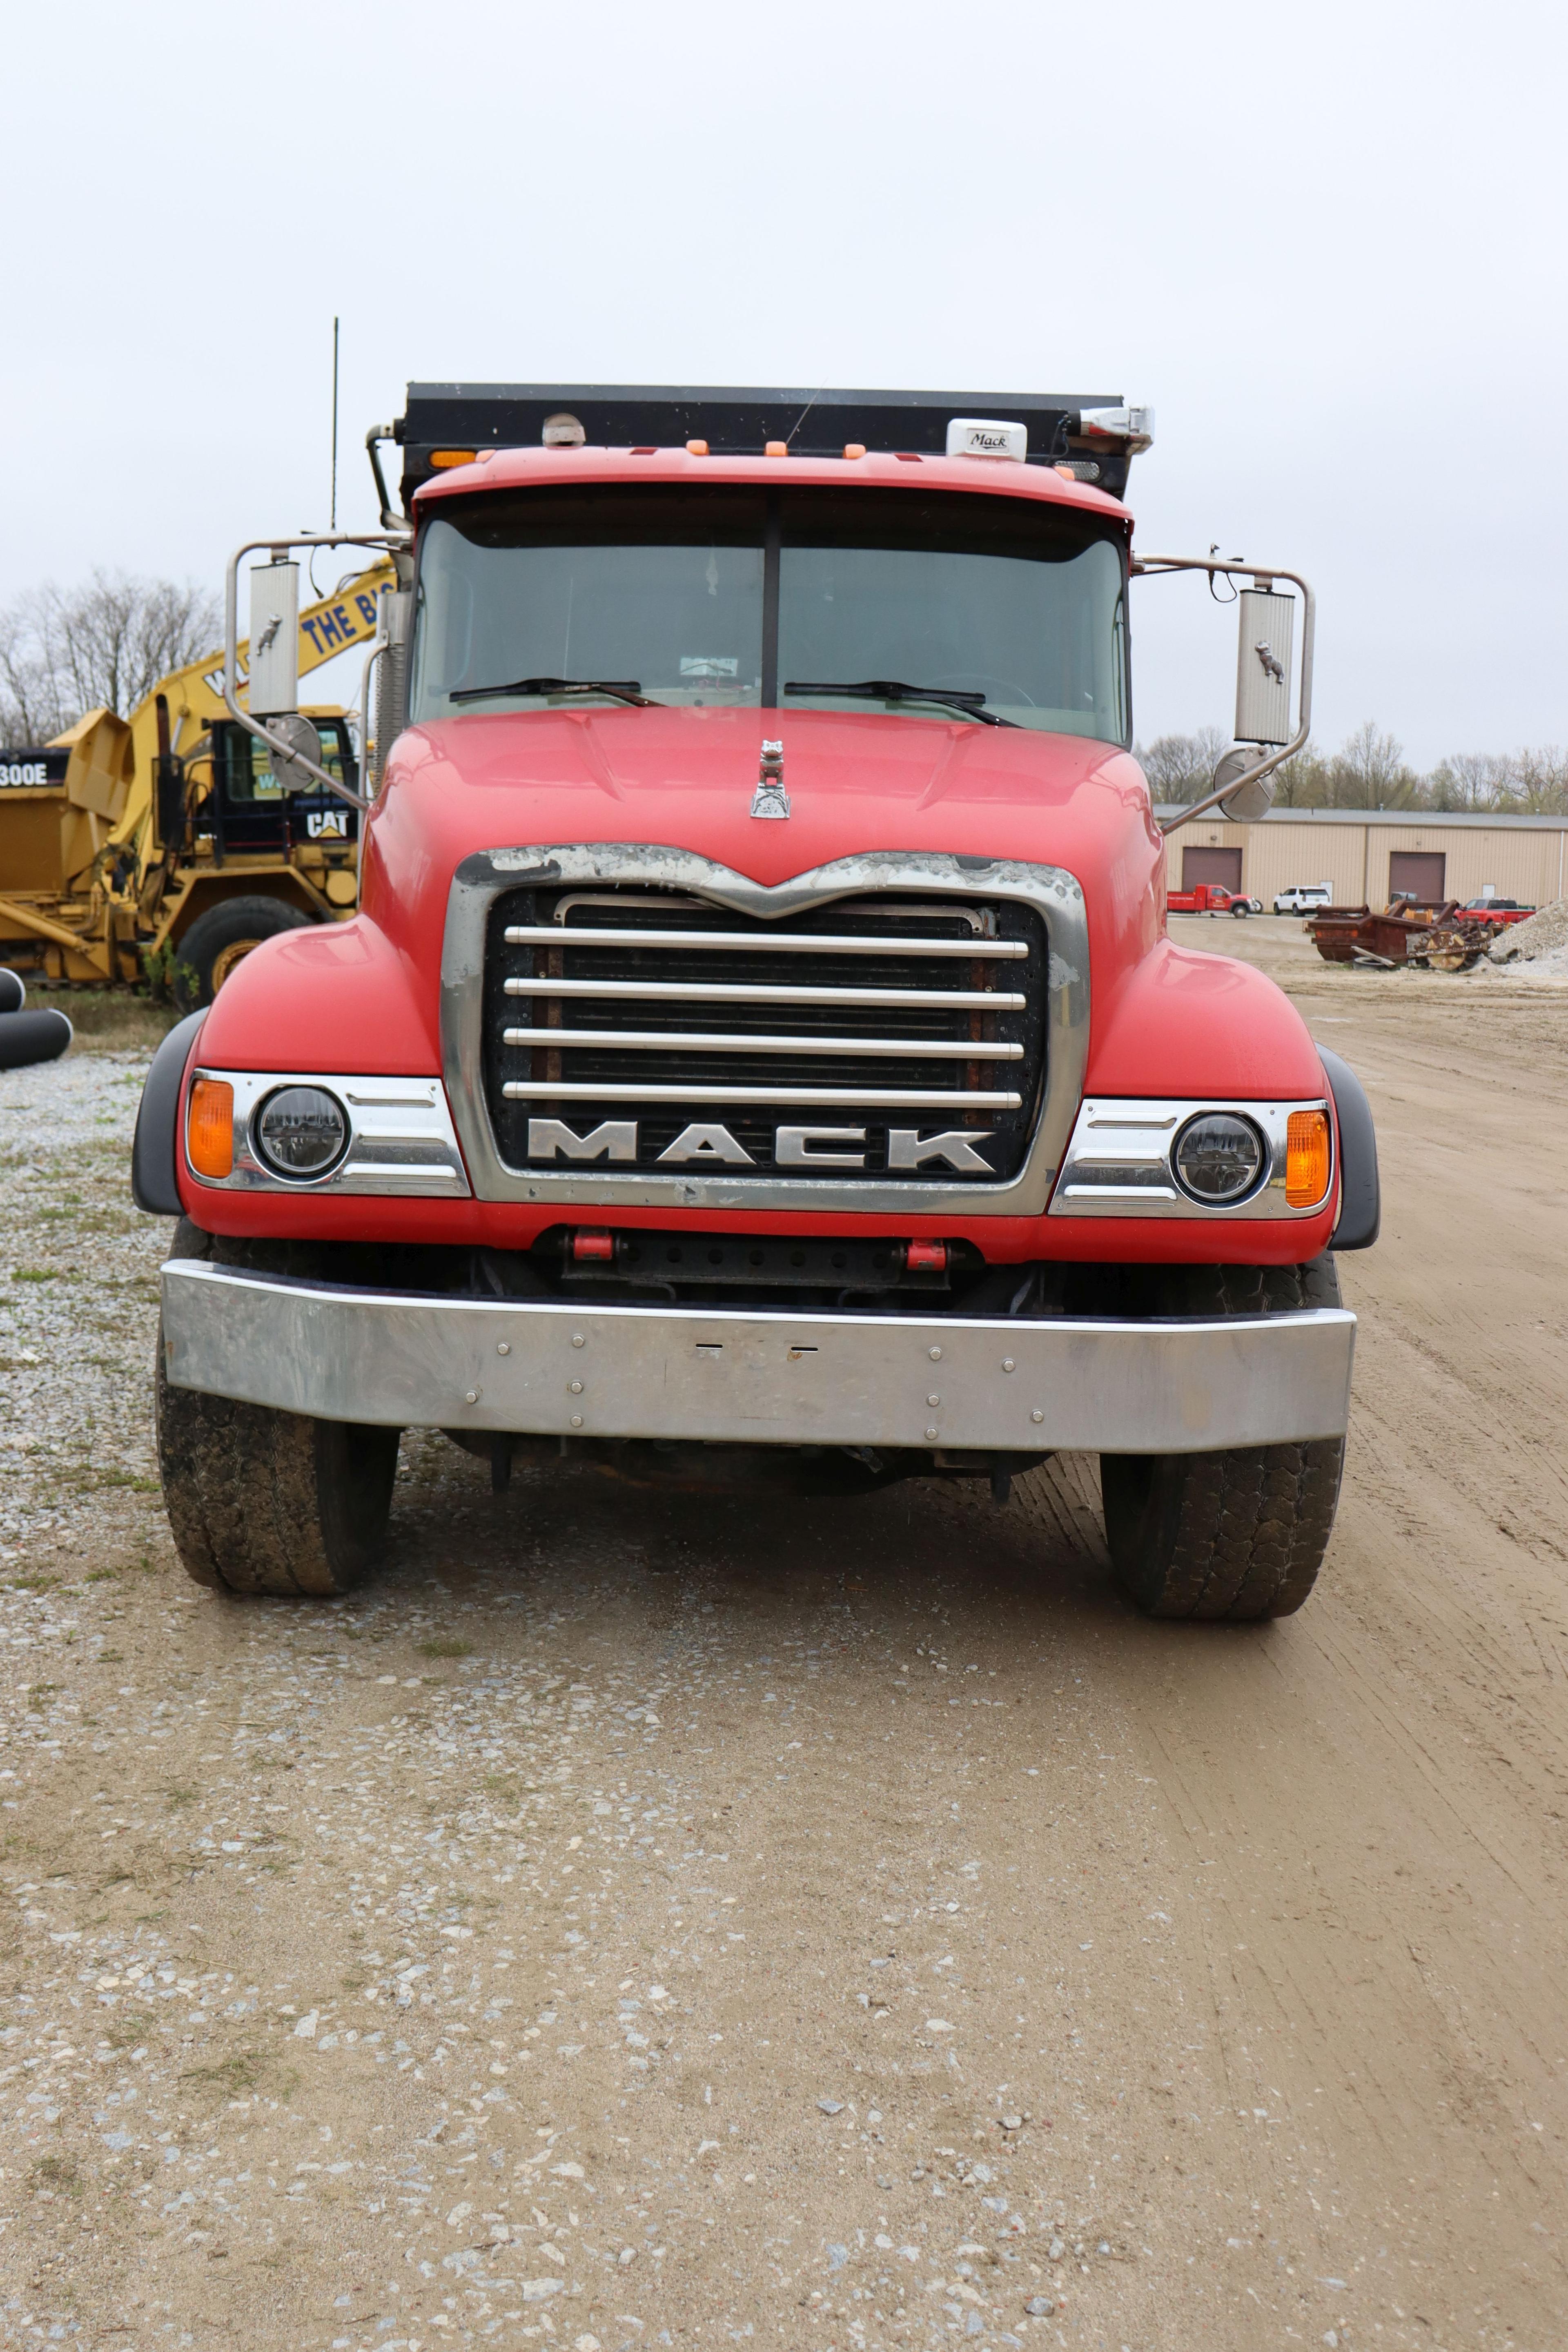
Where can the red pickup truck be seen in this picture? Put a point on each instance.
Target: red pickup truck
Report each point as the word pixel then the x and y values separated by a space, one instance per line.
pixel 1211 899
pixel 758 1060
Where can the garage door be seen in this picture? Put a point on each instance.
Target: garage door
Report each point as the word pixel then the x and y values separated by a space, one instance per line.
pixel 1221 865
pixel 1418 873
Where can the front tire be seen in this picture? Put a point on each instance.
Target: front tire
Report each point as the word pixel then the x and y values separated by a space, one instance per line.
pixel 262 1501
pixel 1233 1536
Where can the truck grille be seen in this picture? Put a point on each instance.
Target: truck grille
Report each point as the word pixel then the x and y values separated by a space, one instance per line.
pixel 874 1037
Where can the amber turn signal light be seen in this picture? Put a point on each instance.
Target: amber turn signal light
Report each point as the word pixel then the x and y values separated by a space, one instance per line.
pixel 209 1128
pixel 1306 1158
pixel 442 459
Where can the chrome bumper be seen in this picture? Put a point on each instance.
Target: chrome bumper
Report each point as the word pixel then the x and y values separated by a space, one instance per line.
pixel 773 1377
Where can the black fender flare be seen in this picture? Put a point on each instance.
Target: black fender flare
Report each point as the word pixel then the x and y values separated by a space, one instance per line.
pixel 1360 1197
pixel 154 1152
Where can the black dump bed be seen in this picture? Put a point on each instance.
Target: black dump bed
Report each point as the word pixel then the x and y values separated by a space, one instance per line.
pixel 1094 433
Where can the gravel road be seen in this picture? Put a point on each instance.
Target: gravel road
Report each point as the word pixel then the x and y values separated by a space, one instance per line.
pixel 636 1921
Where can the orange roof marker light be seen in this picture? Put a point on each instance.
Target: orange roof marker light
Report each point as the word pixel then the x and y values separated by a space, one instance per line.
pixel 775 449
pixel 1306 1158
pixel 441 458
pixel 697 448
pixel 209 1128
pixel 853 448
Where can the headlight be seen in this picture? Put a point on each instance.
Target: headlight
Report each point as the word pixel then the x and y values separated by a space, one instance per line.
pixel 1218 1158
pixel 301 1132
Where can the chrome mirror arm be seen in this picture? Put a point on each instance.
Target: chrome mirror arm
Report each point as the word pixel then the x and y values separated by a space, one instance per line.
pixel 282 752
pixel 1262 575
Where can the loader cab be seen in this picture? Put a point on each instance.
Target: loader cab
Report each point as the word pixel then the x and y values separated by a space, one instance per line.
pixel 247 812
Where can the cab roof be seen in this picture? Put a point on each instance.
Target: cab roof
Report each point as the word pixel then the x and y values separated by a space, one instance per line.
pixel 530 469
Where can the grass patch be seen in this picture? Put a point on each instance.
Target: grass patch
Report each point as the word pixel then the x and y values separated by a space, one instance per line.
pixel 177 1796
pixel 57 2172
pixel 108 1020
pixel 446 1645
pixel 138 1484
pixel 103 1576
pixel 42 1695
pixel 40 1273
pixel 243 2071
pixel 37 1582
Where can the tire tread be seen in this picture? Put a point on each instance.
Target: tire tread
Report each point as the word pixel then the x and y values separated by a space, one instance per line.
pixel 1238 1535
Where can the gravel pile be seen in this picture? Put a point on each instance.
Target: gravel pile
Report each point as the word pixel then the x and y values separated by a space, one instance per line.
pixel 1541 934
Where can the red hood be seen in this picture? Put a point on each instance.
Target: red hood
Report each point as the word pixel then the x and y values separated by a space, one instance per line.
pixel 857 782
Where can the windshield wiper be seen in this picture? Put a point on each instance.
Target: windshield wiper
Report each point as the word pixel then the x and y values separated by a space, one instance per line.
pixel 620 689
pixel 894 690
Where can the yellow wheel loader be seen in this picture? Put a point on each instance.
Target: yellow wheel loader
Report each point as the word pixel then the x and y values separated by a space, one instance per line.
pixel 164 847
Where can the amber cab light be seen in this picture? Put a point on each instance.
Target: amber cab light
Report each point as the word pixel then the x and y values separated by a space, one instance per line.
pixel 1306 1158
pixel 209 1128
pixel 441 458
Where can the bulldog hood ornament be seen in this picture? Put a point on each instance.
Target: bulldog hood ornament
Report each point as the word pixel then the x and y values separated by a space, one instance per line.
pixel 770 799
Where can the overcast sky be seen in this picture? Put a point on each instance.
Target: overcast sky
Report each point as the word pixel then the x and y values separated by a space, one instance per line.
pixel 1325 243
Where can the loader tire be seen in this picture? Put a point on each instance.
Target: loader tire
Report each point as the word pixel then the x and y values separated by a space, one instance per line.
pixel 207 953
pixel 1232 1536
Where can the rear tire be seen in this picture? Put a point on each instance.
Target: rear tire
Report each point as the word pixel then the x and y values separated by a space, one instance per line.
pixel 263 1501
pixel 1233 1536
pixel 222 937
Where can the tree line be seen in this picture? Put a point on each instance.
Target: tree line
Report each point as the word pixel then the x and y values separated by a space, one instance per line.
pixel 1370 770
pixel 63 652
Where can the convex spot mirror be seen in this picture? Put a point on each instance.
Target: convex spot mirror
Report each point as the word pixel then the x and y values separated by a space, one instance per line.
pixel 1252 798
pixel 304 741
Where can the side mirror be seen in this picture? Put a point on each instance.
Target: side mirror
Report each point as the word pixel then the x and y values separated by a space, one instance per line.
pixel 391 677
pixel 274 638
pixel 304 741
pixel 1253 796
pixel 1243 786
pixel 1262 702
pixel 1263 666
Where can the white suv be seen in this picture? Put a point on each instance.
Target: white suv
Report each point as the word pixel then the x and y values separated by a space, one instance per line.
pixel 1302 897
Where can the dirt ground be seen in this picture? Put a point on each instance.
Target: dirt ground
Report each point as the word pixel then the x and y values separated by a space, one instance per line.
pixel 630 1922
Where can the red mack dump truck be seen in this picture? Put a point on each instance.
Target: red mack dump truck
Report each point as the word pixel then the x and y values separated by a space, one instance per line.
pixel 758 1060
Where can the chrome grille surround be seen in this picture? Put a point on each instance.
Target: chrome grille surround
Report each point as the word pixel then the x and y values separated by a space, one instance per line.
pixel 1052 893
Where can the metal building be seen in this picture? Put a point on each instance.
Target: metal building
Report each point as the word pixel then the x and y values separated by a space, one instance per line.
pixel 1368 855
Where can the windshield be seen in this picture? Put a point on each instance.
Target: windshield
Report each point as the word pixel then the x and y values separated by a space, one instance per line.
pixel 790 597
